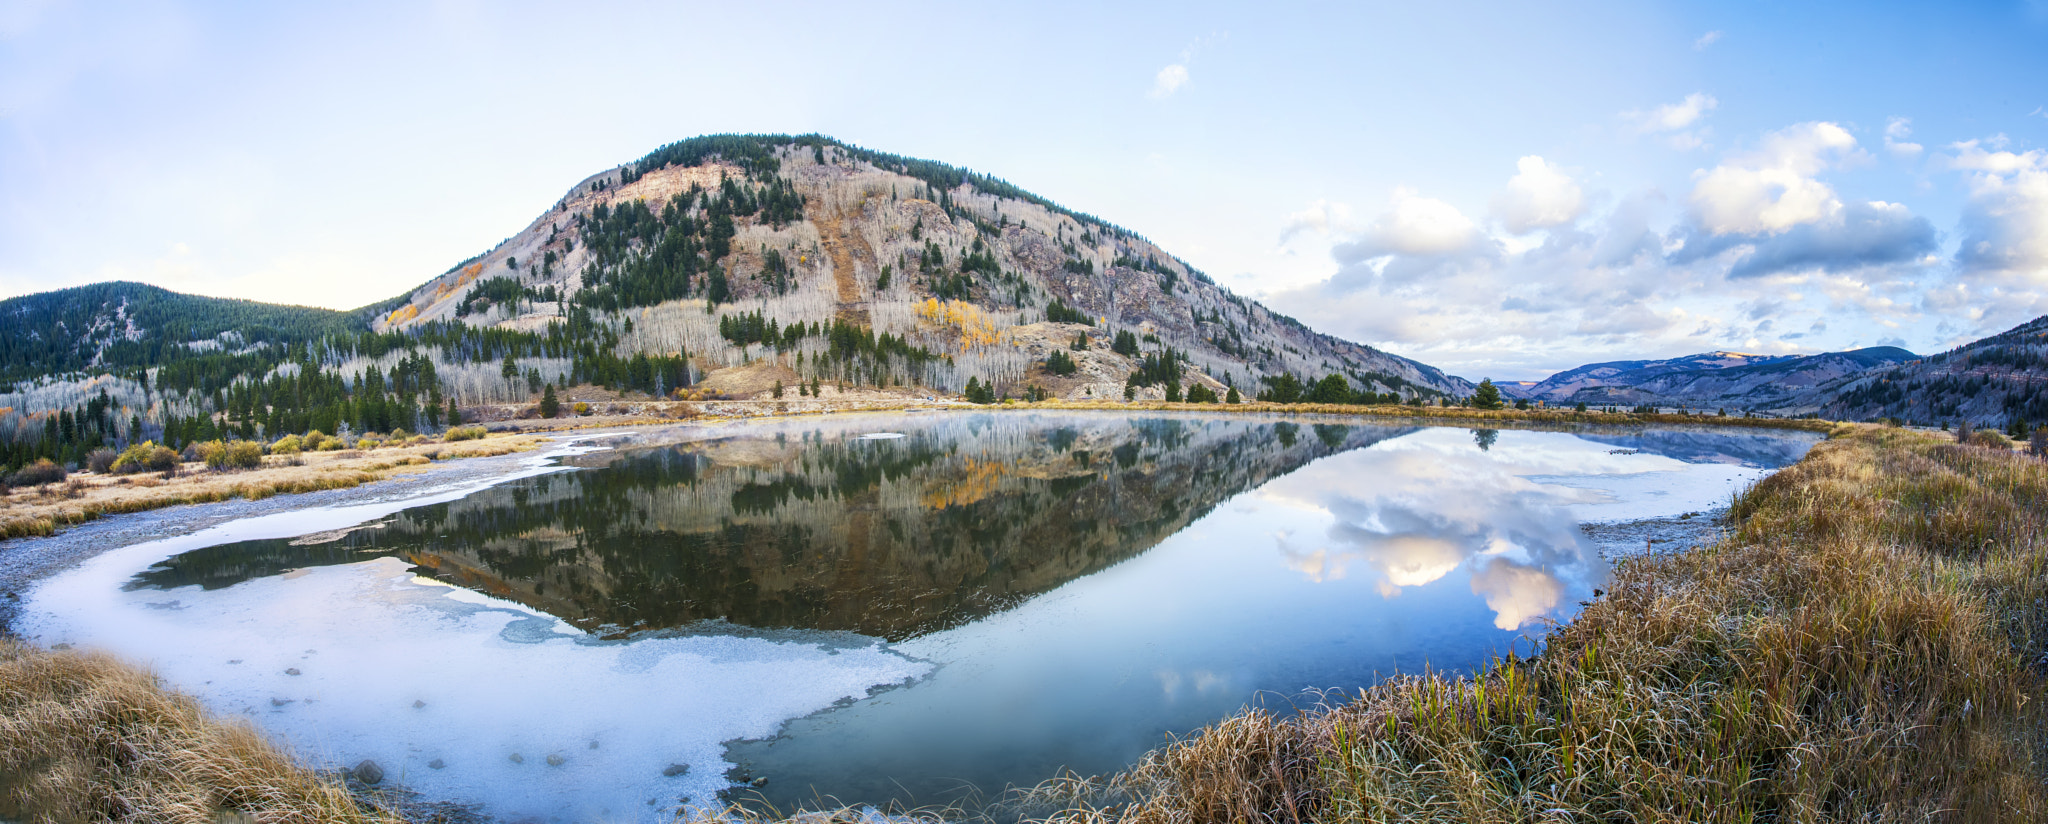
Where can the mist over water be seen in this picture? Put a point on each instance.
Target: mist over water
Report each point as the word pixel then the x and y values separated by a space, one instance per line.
pixel 984 601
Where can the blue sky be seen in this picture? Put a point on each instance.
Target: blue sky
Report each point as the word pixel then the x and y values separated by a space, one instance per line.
pixel 1500 189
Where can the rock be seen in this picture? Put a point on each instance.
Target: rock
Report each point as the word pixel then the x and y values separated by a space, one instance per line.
pixel 234 660
pixel 279 702
pixel 368 772
pixel 518 759
pixel 436 764
pixel 417 704
pixel 292 671
pixel 674 770
pixel 760 782
pixel 555 759
pixel 593 745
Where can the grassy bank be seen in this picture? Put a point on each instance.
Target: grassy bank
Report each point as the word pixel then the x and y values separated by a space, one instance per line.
pixel 84 738
pixel 1868 645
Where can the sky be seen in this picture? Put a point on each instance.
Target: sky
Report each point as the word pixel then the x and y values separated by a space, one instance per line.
pixel 1503 190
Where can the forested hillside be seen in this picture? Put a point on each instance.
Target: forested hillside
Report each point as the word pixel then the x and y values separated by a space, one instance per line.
pixel 1997 381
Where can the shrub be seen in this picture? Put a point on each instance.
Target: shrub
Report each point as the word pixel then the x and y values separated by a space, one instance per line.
pixel 397 436
pixel 581 408
pixel 465 433
pixel 100 461
pixel 1991 439
pixel 191 453
pixel 212 453
pixel 315 441
pixel 243 455
pixel 43 471
pixel 368 442
pixel 288 445
pixel 147 455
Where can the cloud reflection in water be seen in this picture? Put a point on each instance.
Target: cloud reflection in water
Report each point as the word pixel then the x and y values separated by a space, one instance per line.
pixel 1414 515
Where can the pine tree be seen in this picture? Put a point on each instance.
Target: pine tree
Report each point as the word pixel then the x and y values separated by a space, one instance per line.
pixel 550 406
pixel 1233 397
pixel 1488 395
pixel 454 412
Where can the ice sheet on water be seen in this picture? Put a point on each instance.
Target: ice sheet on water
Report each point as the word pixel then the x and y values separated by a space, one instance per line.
pixel 491 680
pixel 457 694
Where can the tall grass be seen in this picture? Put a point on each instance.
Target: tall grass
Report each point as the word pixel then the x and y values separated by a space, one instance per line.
pixel 84 738
pixel 1869 644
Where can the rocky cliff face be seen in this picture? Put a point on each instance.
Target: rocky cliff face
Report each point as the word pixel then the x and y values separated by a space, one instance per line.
pixel 804 231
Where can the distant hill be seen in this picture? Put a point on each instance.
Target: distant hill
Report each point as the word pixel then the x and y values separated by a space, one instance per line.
pixel 1732 380
pixel 1996 381
pixel 1564 386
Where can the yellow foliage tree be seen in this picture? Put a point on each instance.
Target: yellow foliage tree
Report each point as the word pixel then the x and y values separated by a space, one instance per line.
pixel 974 326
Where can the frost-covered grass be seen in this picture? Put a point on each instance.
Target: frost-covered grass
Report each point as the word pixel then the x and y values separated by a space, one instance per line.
pixel 1868 645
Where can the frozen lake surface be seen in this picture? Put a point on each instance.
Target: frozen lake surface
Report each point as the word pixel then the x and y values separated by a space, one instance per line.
pixel 966 602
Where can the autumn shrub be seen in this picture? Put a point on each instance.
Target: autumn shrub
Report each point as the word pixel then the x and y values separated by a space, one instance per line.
pixel 288 445
pixel 465 433
pixel 43 471
pixel 100 461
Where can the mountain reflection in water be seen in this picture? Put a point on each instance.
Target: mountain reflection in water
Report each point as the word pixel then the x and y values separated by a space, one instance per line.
pixel 809 527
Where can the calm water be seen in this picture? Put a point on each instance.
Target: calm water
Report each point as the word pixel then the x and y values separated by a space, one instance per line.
pixel 914 609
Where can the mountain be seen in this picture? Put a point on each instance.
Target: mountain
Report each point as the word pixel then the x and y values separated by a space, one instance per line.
pixel 1996 381
pixel 721 267
pixel 775 232
pixel 1736 380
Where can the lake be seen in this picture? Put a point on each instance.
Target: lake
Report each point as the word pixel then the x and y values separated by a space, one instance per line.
pixel 907 609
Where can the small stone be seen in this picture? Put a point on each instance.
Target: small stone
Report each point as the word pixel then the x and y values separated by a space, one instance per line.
pixel 761 782
pixel 292 671
pixel 518 759
pixel 417 704
pixel 436 764
pixel 234 660
pixel 674 770
pixel 593 745
pixel 555 759
pixel 279 702
pixel 368 772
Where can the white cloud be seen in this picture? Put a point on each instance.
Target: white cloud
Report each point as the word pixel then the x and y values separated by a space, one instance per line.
pixel 1708 39
pixel 2005 222
pixel 1772 188
pixel 1672 117
pixel 1896 130
pixel 1169 80
pixel 1539 196
pixel 1416 225
pixel 1321 217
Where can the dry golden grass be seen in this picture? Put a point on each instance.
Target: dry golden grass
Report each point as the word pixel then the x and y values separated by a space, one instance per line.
pixel 1869 645
pixel 33 511
pixel 84 738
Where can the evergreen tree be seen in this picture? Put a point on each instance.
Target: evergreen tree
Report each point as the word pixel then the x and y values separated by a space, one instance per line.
pixel 454 412
pixel 1488 395
pixel 550 406
pixel 1233 397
